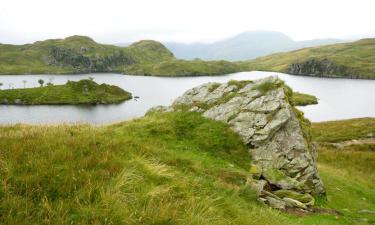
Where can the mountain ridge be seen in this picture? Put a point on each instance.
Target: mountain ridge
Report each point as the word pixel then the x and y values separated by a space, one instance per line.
pixel 244 46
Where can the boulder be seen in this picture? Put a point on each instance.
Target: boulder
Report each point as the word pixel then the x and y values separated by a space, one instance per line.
pixel 277 134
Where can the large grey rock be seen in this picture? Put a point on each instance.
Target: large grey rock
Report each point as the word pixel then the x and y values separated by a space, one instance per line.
pixel 260 112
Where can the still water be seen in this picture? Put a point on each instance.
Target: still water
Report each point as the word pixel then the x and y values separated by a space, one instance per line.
pixel 338 98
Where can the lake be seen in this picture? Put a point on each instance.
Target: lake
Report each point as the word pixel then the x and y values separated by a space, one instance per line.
pixel 338 98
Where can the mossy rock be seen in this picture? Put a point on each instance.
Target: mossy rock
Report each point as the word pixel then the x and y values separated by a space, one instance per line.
pixel 255 171
pixel 306 198
pixel 279 179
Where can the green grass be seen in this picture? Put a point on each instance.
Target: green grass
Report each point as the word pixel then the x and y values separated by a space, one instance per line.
pixel 80 92
pixel 348 172
pixel 301 99
pixel 357 57
pixel 170 168
pixel 344 130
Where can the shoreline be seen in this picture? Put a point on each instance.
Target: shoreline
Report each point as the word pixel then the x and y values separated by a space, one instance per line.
pixel 203 75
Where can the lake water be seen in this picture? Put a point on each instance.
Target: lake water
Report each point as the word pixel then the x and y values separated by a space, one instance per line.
pixel 338 98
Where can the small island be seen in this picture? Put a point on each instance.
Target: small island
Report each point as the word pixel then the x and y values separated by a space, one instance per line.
pixel 84 91
pixel 302 99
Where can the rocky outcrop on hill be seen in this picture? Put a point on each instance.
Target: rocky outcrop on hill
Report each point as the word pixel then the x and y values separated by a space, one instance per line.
pixel 283 169
pixel 316 67
pixel 79 60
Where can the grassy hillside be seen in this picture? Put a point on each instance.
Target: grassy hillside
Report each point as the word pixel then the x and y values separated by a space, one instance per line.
pixel 344 130
pixel 77 54
pixel 356 160
pixel 355 59
pixel 173 168
pixel 80 92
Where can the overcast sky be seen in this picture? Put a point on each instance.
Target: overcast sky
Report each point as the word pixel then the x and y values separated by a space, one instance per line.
pixel 114 21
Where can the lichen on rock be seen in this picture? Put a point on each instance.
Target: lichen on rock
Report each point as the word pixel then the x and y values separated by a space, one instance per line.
pixel 277 134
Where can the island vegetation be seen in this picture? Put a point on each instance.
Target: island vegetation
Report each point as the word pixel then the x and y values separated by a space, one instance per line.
pixel 73 92
pixel 302 99
pixel 164 168
pixel 80 54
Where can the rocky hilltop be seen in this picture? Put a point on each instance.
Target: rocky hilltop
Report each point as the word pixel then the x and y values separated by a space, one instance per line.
pixel 283 170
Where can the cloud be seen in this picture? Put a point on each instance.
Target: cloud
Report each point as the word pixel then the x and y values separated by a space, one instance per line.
pixel 113 21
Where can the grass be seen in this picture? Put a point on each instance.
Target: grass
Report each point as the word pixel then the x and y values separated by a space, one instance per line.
pixel 344 130
pixel 348 172
pixel 169 168
pixel 80 92
pixel 301 99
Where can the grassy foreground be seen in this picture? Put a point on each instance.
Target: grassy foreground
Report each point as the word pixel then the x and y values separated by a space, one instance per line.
pixel 173 168
pixel 72 93
pixel 355 158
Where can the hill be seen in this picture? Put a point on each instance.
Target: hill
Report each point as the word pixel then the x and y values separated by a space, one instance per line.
pixel 71 93
pixel 170 168
pixel 350 60
pixel 77 54
pixel 244 46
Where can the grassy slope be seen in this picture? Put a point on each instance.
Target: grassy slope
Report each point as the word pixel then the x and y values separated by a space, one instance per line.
pixel 343 130
pixel 174 168
pixel 358 158
pixel 80 92
pixel 358 56
pixel 78 54
pixel 74 53
pixel 356 163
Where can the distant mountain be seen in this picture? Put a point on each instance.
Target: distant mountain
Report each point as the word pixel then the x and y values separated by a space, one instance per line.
pixel 248 45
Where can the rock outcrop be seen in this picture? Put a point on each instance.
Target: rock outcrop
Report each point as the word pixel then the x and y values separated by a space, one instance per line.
pixel 283 169
pixel 320 68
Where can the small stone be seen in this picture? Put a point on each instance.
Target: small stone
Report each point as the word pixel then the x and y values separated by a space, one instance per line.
pixel 306 198
pixel 366 211
pixel 294 203
pixel 275 203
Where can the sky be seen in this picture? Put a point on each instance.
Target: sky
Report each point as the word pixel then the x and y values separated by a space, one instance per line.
pixel 122 21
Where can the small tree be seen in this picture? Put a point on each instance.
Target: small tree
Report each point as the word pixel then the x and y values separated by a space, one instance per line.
pixel 41 82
